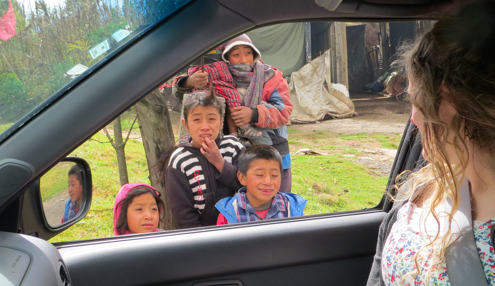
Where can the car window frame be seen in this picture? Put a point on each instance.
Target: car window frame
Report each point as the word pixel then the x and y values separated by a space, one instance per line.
pixel 68 91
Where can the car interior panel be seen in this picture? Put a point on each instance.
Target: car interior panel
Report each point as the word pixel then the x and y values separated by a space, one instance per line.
pixel 323 249
pixel 299 242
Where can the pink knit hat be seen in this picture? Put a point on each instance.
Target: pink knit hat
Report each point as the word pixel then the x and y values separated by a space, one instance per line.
pixel 237 41
pixel 120 196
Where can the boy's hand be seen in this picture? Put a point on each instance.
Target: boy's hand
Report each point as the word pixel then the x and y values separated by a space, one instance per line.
pixel 242 115
pixel 210 150
pixel 197 79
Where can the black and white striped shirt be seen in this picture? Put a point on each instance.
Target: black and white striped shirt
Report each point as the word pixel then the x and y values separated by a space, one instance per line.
pixel 189 164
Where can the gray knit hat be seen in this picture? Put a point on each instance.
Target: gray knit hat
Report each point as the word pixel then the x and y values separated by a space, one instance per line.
pixel 239 40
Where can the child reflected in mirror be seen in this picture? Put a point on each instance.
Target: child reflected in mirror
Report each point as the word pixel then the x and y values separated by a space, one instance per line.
pixel 137 209
pixel 260 171
pixel 75 191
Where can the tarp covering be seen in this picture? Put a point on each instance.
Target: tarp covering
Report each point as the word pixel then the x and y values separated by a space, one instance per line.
pixel 314 96
pixel 281 46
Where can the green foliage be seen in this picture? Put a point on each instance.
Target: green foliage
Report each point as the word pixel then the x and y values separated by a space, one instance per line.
pixel 33 63
pixel 20 19
pixel 104 32
pixel 4 5
pixel 11 88
pixel 80 54
pixel 13 98
pixel 152 11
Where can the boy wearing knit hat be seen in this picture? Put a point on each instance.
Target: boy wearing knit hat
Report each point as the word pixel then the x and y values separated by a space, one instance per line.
pixel 256 95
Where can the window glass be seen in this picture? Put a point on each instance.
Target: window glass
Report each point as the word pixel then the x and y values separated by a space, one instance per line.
pixel 44 45
pixel 349 115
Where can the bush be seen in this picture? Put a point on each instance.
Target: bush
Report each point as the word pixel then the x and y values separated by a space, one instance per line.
pixel 12 97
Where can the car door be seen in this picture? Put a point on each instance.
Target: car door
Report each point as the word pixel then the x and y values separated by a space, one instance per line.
pixel 314 250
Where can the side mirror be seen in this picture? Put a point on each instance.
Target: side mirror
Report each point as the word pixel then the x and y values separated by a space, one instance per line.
pixel 59 199
pixel 64 194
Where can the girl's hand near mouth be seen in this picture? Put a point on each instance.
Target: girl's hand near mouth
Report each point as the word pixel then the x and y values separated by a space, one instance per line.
pixel 210 150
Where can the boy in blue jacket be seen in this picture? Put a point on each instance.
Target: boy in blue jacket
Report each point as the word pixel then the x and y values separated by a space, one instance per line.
pixel 260 169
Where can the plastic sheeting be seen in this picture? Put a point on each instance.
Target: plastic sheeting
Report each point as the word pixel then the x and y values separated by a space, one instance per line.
pixel 281 46
pixel 313 95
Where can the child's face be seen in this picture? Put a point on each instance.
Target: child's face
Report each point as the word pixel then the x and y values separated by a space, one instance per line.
pixel 75 189
pixel 262 181
pixel 142 214
pixel 241 54
pixel 203 122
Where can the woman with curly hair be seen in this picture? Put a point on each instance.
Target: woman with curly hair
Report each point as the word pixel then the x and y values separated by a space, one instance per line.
pixel 450 203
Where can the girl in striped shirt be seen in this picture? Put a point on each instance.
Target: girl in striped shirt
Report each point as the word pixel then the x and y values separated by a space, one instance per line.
pixel 201 170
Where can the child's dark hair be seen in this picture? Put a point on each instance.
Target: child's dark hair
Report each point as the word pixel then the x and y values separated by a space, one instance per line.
pixel 201 98
pixel 121 226
pixel 74 170
pixel 258 152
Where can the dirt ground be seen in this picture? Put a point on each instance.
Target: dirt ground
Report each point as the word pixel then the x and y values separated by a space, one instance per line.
pixel 54 208
pixel 374 115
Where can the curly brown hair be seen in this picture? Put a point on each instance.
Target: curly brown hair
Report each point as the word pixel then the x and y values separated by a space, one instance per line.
pixel 452 64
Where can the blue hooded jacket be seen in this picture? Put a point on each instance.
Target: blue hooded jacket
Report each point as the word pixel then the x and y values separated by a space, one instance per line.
pixel 232 208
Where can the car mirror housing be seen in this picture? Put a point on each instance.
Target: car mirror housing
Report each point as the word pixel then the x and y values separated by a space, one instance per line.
pixel 59 199
pixel 63 193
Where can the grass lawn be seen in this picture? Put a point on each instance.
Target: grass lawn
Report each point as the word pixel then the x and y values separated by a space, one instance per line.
pixel 330 183
pixel 334 183
pixel 51 184
pixel 4 127
pixel 339 142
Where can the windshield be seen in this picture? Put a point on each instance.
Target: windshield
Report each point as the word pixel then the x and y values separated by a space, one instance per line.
pixel 46 44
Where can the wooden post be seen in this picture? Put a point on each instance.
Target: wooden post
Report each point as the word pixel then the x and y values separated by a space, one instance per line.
pixel 333 53
pixel 338 53
pixel 385 46
pixel 307 41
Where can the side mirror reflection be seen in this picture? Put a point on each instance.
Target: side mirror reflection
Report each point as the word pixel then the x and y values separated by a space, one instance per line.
pixel 64 193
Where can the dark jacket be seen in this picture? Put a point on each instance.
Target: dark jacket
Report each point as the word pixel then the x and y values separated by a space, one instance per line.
pixel 194 185
pixel 375 277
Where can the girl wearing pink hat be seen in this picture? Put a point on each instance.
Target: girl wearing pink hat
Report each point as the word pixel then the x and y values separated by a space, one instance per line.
pixel 137 209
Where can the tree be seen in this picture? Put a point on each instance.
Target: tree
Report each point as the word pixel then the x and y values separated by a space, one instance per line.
pixel 158 137
pixel 119 146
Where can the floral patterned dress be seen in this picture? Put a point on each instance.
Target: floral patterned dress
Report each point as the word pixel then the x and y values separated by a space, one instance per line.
pixel 406 239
